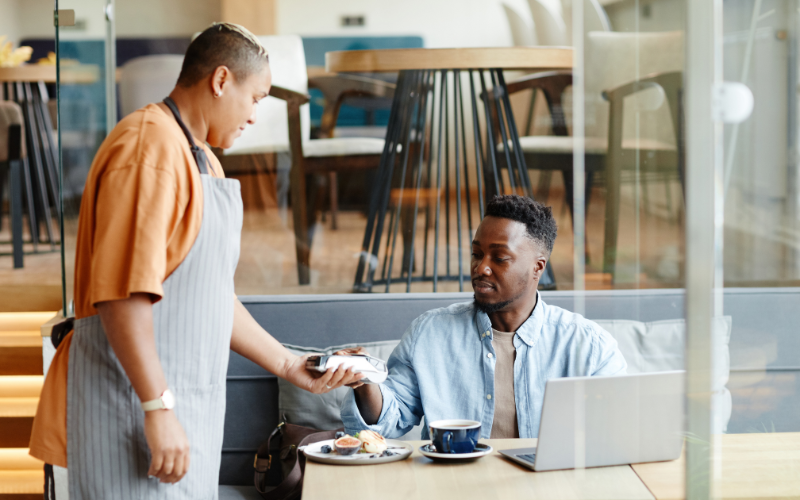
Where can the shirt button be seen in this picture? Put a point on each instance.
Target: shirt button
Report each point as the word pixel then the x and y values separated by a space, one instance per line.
pixel 488 396
pixel 489 355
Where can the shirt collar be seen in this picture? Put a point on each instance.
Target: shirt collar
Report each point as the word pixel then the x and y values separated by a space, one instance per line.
pixel 528 331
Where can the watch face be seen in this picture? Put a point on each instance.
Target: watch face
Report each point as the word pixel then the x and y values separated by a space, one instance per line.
pixel 168 399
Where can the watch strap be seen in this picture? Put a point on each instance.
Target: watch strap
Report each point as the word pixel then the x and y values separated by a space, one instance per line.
pixel 160 403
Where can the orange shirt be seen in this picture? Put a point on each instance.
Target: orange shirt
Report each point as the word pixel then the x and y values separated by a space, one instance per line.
pixel 141 211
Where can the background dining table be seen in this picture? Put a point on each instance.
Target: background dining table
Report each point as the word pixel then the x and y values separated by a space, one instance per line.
pixel 751 466
pixel 451 124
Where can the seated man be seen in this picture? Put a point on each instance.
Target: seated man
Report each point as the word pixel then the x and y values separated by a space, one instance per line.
pixel 488 360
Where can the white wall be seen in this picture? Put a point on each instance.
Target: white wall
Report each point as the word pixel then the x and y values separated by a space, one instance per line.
pixel 135 18
pixel 35 18
pixel 8 20
pixel 441 23
pixel 165 18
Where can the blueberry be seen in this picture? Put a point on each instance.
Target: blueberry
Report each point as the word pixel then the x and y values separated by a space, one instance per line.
pixel 387 453
pixel 325 449
pixel 339 434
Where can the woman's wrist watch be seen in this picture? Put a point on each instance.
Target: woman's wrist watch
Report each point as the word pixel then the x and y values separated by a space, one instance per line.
pixel 165 402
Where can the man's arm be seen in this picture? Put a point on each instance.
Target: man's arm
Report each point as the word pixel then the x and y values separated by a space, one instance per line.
pixel 392 408
pixel 255 344
pixel 368 396
pixel 128 324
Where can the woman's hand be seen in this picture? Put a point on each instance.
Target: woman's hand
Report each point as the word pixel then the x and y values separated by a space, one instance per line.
pixel 351 351
pixel 319 382
pixel 169 446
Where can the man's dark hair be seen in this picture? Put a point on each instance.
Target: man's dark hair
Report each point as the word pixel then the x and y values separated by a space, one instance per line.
pixel 538 219
pixel 223 44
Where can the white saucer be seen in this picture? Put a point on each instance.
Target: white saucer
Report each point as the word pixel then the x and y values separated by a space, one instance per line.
pixel 481 450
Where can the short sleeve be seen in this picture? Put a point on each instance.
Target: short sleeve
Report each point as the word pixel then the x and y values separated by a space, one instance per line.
pixel 136 212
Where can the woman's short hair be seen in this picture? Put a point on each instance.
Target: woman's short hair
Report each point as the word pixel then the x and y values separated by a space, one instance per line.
pixel 222 44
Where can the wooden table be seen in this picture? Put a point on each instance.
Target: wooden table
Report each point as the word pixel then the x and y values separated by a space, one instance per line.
pixel 753 466
pixel 444 133
pixel 488 478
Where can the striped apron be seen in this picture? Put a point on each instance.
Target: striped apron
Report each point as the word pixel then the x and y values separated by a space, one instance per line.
pixel 106 448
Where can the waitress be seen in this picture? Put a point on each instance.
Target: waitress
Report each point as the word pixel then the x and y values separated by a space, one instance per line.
pixel 135 397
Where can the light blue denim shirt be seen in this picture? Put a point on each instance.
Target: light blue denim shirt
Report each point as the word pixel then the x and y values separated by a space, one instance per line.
pixel 444 368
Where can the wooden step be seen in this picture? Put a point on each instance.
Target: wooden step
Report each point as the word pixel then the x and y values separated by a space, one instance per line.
pixel 27 297
pixel 15 431
pixel 21 482
pixel 19 397
pixel 21 352
pixel 29 386
pixel 24 321
pixel 21 475
pixel 21 339
pixel 18 459
pixel 21 361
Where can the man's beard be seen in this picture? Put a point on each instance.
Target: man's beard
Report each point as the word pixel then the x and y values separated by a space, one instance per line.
pixel 489 308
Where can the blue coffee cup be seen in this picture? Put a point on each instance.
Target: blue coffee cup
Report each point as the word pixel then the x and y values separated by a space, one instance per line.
pixel 455 436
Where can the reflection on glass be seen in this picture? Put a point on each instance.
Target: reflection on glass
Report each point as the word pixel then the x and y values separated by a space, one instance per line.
pixel 760 185
pixel 82 111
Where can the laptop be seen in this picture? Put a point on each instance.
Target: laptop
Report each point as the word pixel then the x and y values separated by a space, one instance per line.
pixel 600 421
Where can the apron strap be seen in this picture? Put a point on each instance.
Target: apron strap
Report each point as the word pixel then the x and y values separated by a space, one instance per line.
pixel 197 152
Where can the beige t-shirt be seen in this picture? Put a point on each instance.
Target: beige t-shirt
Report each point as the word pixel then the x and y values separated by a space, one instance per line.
pixel 505 406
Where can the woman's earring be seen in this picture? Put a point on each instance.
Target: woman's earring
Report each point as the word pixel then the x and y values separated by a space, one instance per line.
pixel 217 94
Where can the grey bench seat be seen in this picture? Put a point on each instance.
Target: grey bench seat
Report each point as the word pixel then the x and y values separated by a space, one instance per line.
pixel 764 350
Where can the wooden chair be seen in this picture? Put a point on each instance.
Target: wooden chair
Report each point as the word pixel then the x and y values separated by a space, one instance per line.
pixel 283 126
pixel 617 88
pixel 366 93
pixel 150 78
pixel 12 163
pixel 147 79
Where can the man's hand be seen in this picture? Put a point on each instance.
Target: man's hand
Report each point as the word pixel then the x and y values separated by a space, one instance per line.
pixel 368 396
pixel 169 446
pixel 319 382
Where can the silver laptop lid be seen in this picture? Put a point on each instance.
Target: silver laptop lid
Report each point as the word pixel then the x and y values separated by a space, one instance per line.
pixel 611 420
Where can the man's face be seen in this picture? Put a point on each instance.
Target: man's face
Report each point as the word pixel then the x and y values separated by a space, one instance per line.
pixel 506 264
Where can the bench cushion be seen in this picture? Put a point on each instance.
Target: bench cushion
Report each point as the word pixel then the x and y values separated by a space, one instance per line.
pixel 660 345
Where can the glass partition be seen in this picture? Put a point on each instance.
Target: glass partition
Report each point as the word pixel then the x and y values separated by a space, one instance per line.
pixel 83 115
pixel 685 228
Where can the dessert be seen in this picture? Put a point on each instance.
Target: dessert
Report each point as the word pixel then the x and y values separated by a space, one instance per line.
pixel 372 442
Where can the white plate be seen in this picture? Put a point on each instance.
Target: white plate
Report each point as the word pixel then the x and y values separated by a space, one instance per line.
pixel 481 450
pixel 313 451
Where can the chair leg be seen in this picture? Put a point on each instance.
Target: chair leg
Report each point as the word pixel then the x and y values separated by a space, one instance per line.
pixel 543 189
pixel 612 216
pixel 3 175
pixel 15 195
pixel 568 187
pixel 302 240
pixel 334 189
pixel 15 192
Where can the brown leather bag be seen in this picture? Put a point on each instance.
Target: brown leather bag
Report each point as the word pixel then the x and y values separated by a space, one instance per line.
pixel 282 445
